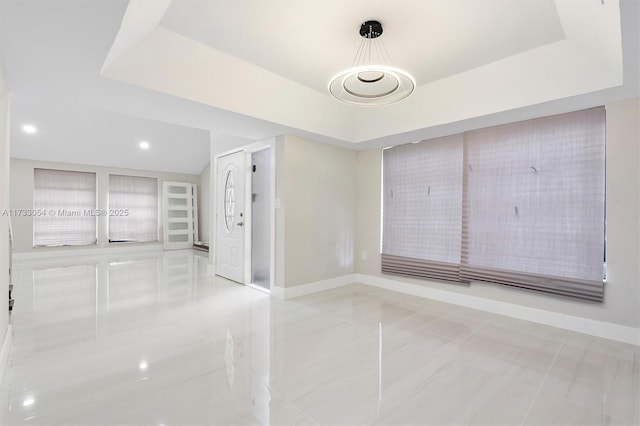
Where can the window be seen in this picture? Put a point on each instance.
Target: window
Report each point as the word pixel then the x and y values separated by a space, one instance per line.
pixel 133 209
pixel 422 212
pixel 532 207
pixel 64 205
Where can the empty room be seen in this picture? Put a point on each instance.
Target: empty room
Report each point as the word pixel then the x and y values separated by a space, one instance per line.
pixel 305 212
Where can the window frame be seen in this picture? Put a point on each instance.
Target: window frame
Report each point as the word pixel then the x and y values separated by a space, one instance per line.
pixel 119 213
pixel 44 212
pixel 585 129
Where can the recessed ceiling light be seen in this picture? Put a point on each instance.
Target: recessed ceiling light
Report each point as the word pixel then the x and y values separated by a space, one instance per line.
pixel 28 402
pixel 30 129
pixel 144 145
pixel 143 365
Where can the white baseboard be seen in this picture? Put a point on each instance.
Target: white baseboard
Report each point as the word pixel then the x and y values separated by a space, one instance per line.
pixel 588 326
pixel 314 287
pixel 67 252
pixel 278 292
pixel 5 350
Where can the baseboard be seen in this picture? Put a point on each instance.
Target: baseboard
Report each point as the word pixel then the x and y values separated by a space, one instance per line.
pixel 588 326
pixel 5 350
pixel 66 252
pixel 278 292
pixel 314 287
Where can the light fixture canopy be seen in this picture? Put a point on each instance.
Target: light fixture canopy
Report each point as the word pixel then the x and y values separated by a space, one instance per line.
pixel 371 81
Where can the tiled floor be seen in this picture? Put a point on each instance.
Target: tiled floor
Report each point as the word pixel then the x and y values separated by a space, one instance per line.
pixel 157 341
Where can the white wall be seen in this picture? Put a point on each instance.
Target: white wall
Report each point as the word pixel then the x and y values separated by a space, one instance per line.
pixel 204 203
pixel 22 198
pixel 4 220
pixel 315 187
pixel 280 258
pixel 319 202
pixel 622 292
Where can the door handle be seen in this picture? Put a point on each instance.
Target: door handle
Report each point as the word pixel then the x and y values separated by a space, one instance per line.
pixel 240 223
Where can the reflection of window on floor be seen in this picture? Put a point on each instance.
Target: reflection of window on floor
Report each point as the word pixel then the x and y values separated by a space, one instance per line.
pixel 64 299
pixel 133 209
pixel 133 284
pixel 64 205
pixel 520 204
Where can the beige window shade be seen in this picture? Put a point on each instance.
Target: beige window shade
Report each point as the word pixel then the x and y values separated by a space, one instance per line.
pixel 520 205
pixel 65 202
pixel 422 209
pixel 133 209
pixel 534 204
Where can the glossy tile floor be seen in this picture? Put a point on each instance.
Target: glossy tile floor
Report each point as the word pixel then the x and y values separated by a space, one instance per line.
pixel 157 341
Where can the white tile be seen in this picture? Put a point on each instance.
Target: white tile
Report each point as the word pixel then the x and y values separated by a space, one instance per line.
pixel 551 410
pixel 589 376
pixel 155 340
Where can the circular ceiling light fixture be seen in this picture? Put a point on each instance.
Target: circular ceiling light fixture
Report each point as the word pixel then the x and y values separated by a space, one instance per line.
pixel 144 145
pixel 371 81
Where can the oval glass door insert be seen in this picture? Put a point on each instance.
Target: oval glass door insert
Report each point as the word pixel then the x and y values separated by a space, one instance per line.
pixel 229 201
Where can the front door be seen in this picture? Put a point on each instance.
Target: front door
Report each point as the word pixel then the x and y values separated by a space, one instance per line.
pixel 230 217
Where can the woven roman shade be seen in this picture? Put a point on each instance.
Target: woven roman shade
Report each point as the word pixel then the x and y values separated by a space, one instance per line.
pixel 65 203
pixel 520 205
pixel 422 209
pixel 534 196
pixel 133 209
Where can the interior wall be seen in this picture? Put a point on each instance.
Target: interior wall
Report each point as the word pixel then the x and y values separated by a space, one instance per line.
pixel 319 201
pixel 4 205
pixel 22 198
pixel 204 203
pixel 622 291
pixel 315 208
pixel 279 213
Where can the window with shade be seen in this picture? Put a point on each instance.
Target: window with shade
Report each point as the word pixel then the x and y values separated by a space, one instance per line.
pixel 521 205
pixel 65 202
pixel 133 209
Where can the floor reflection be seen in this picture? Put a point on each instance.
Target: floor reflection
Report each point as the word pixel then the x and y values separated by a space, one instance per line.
pixel 55 315
pixel 156 339
pixel 98 330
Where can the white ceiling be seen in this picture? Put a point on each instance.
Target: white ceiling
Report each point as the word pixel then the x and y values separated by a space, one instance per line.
pixel 250 69
pixel 53 51
pixel 75 133
pixel 309 41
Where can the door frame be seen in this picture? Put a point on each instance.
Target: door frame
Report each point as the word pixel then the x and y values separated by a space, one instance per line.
pixel 235 266
pixel 166 220
pixel 248 151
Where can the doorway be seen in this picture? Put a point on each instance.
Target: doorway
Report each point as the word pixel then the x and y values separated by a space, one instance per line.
pixel 261 214
pixel 230 217
pixel 179 215
pixel 244 215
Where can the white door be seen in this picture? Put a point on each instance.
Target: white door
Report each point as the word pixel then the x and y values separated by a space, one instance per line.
pixel 230 216
pixel 177 200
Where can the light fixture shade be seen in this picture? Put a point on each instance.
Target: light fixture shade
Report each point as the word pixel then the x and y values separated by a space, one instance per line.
pixel 372 85
pixel 371 81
